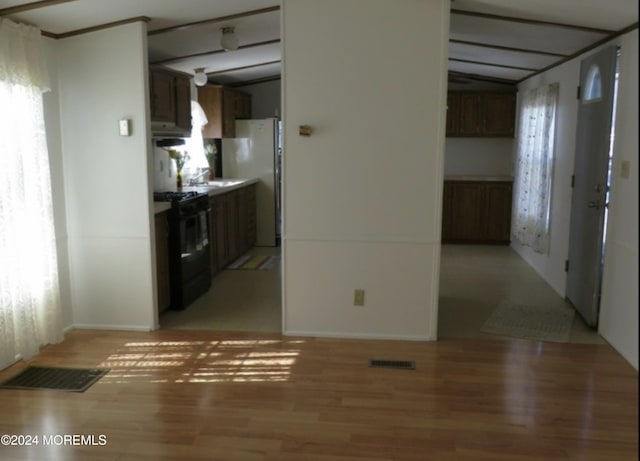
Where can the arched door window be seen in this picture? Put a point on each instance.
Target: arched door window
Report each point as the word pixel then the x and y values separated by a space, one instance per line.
pixel 593 85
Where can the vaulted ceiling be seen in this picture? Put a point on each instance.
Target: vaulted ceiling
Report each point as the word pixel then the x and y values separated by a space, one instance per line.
pixel 498 41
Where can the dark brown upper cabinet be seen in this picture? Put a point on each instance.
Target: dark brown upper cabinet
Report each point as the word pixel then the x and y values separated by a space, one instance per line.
pixel 222 106
pixel 170 99
pixel 480 114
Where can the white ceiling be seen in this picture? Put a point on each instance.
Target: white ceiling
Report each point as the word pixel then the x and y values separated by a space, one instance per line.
pixel 491 40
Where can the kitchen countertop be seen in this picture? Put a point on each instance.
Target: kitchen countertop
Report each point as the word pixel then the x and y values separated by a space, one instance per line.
pixel 217 187
pixel 220 186
pixel 464 177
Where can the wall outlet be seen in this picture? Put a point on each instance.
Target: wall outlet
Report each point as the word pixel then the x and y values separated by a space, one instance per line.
pixel 358 297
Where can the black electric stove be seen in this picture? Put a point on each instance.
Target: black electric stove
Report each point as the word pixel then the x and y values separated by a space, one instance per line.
pixel 189 249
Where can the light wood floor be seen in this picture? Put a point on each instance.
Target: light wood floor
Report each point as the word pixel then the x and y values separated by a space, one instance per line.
pixel 204 395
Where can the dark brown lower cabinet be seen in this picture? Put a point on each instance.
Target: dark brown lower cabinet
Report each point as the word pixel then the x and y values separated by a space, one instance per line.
pixel 232 223
pixel 477 212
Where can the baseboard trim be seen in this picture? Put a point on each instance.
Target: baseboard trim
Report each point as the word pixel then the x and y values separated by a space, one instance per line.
pixel 88 326
pixel 374 336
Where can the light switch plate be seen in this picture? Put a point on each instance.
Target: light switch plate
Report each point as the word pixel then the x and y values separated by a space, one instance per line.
pixel 125 127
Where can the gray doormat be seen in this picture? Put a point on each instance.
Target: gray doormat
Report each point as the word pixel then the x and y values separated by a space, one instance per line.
pixel 60 379
pixel 531 322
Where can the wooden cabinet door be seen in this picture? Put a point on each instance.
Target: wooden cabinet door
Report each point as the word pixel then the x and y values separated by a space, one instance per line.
pixel 498 114
pixel 183 103
pixel 242 105
pixel 233 231
pixel 252 230
pixel 446 211
pixel 210 99
pixel 163 107
pixel 228 113
pixel 243 219
pixel 497 224
pixel 222 248
pixel 469 110
pixel 466 211
pixel 162 262
pixel 453 113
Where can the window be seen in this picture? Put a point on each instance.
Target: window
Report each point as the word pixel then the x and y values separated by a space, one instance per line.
pixel 534 168
pixel 593 90
pixel 30 313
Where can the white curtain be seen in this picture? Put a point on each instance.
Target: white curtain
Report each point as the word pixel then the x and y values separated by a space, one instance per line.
pixel 30 313
pixel 534 168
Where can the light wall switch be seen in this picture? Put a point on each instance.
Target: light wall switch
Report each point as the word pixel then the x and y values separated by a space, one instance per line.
pixel 625 169
pixel 125 127
pixel 358 297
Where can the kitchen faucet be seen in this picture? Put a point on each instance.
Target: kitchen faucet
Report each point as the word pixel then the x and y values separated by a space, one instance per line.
pixel 193 179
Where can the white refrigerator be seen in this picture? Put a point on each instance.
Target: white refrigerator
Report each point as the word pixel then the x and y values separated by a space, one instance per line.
pixel 254 153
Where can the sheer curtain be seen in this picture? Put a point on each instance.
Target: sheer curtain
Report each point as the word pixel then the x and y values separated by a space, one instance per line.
pixel 30 313
pixel 534 168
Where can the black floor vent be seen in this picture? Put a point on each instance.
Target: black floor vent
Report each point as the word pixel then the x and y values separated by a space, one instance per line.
pixel 61 379
pixel 400 364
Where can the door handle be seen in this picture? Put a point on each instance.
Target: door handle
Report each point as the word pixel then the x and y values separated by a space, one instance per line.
pixel 593 204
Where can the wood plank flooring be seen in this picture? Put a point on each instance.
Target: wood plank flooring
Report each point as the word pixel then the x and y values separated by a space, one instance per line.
pixel 196 395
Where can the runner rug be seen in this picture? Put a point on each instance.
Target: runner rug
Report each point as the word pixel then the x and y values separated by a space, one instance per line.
pixel 531 322
pixel 251 262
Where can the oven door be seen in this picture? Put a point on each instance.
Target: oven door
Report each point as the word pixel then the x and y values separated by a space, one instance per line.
pixel 194 243
pixel 190 268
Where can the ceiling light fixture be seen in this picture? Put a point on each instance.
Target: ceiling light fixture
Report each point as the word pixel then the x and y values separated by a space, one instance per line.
pixel 229 40
pixel 200 78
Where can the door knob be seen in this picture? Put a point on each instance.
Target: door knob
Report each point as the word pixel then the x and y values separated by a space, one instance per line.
pixel 593 204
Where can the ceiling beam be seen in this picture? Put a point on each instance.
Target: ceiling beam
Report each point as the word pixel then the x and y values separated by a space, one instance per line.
pixel 270 78
pixel 534 22
pixel 251 66
pixel 481 63
pixel 583 50
pixel 102 26
pixel 208 53
pixel 214 20
pixel 483 78
pixel 508 48
pixel 31 6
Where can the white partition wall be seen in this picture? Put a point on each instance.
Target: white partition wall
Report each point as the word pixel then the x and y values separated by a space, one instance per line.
pixel 102 79
pixel 362 194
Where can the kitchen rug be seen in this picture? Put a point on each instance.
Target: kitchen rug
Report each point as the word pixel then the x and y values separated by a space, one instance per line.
pixel 530 322
pixel 60 379
pixel 249 262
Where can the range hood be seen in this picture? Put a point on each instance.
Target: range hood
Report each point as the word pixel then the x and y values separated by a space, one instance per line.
pixel 168 129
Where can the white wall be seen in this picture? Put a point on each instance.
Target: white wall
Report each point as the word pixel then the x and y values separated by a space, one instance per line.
pixel 478 156
pixel 619 303
pixel 103 78
pixel 51 106
pixel 265 99
pixel 362 195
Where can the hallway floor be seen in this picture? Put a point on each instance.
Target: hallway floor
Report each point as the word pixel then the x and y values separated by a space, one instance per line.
pixel 474 279
pixel 239 300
